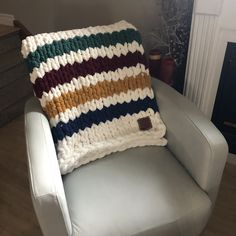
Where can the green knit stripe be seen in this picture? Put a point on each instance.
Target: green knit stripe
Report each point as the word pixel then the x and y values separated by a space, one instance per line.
pixel 58 48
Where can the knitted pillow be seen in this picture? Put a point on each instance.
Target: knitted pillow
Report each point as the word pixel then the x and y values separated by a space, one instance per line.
pixel 94 86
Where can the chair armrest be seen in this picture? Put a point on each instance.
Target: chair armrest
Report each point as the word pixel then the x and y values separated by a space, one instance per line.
pixel 192 138
pixel 46 185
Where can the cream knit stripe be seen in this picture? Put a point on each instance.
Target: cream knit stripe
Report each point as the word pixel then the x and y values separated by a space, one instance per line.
pixel 84 55
pixel 94 152
pixel 87 81
pixel 110 130
pixel 73 113
pixel 31 43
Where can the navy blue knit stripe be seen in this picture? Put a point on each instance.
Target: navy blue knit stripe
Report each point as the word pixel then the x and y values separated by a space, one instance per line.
pixel 106 114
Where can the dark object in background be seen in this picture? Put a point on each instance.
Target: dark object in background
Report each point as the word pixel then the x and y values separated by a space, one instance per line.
pixel 23 31
pixel 155 62
pixel 224 114
pixel 167 70
pixel 162 68
pixel 179 77
pixel 15 87
pixel 171 35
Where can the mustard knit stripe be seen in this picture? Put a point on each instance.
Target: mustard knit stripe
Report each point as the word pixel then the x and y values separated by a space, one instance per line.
pixel 97 91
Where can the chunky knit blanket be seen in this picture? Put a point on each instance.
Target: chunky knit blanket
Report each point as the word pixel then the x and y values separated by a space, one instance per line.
pixel 94 86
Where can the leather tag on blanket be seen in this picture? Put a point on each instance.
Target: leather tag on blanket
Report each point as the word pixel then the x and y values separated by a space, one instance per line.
pixel 144 123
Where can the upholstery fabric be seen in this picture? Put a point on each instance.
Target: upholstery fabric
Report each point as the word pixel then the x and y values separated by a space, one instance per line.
pixel 46 187
pixel 179 191
pixel 94 86
pixel 194 140
pixel 141 191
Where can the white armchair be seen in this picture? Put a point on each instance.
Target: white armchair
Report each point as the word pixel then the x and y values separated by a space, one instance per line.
pixel 140 192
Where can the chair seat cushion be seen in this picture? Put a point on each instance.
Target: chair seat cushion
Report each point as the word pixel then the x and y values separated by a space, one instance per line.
pixel 142 191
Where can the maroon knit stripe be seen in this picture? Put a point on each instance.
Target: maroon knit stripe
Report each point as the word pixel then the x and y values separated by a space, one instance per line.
pixel 66 73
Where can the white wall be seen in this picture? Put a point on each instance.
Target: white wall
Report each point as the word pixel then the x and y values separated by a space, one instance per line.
pixel 36 15
pixel 52 15
pixel 228 14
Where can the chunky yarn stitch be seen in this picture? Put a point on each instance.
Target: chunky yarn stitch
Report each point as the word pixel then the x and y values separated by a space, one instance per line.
pixel 94 86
